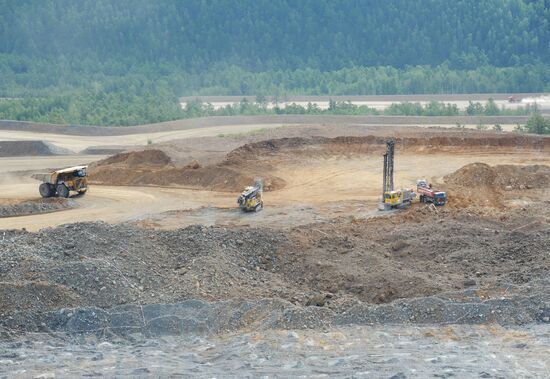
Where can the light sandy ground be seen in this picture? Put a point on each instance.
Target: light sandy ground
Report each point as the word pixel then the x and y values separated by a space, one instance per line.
pixel 360 178
pixel 79 143
pixel 319 189
pixel 316 188
pixel 38 163
pixel 114 204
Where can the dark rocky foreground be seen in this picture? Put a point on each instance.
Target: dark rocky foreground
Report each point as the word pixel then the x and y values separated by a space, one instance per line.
pixel 453 294
pixel 519 306
pixel 95 278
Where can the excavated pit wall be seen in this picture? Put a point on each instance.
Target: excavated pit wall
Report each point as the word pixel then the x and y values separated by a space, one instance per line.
pixel 259 159
pixel 519 306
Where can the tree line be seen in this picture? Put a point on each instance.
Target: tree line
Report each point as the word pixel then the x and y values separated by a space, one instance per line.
pixel 126 62
pixel 112 109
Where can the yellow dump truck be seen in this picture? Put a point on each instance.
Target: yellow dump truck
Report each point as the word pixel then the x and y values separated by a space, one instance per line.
pixel 62 182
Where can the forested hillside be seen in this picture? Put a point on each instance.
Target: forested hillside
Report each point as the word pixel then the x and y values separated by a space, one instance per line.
pixel 123 53
pixel 263 35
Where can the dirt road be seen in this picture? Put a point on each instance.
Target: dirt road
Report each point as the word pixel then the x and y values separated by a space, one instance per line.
pixel 78 143
pixel 117 204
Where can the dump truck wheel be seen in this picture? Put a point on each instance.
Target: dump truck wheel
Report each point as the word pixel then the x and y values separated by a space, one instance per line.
pixel 46 190
pixel 62 190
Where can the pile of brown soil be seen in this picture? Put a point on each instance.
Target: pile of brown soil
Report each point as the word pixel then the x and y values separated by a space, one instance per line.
pixel 501 176
pixel 366 144
pixel 259 159
pixel 479 186
pixel 155 168
pixel 135 159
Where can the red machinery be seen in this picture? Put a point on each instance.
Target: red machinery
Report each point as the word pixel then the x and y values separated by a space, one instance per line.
pixel 429 195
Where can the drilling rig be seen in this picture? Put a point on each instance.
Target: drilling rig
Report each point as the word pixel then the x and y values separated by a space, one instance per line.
pixel 391 198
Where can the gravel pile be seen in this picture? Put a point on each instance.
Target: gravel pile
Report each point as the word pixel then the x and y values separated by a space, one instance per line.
pixel 440 267
pixel 35 206
pixel 102 265
pixel 30 148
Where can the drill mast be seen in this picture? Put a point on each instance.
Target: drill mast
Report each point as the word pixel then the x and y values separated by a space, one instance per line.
pixel 388 167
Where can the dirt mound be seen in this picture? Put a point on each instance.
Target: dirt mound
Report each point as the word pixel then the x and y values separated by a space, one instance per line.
pixel 477 140
pixel 25 148
pixel 483 188
pixel 136 159
pixel 34 295
pixel 300 146
pixel 501 176
pixel 210 177
pixel 263 158
pixel 428 140
pixel 335 265
pixel 474 175
pixel 219 178
pixel 349 145
pixel 25 208
pixel 155 168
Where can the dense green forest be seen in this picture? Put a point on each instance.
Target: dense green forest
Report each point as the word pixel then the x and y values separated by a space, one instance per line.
pixel 123 62
pixel 265 35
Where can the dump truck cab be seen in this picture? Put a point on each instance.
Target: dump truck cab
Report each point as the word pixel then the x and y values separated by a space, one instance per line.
pixel 440 198
pixel 62 182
